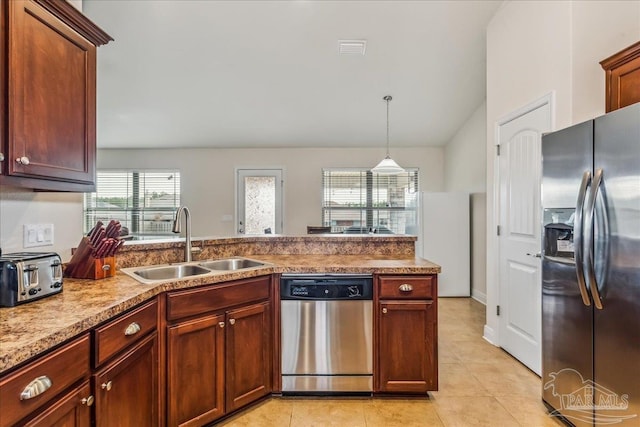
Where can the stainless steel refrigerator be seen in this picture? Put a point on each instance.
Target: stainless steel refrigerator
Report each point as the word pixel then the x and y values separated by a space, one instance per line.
pixel 591 270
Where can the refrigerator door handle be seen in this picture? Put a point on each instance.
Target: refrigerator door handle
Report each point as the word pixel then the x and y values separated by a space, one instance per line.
pixel 577 238
pixel 589 239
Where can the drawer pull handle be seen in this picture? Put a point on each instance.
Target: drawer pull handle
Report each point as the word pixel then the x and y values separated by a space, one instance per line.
pixel 36 387
pixel 87 401
pixel 132 329
pixel 221 324
pixel 107 386
pixel 405 287
pixel 232 321
pixel 384 310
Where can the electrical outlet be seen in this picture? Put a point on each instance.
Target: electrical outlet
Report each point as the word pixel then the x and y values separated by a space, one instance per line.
pixel 37 235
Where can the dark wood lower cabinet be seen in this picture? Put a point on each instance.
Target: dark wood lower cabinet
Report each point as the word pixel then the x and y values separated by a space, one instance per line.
pixel 219 357
pixel 219 349
pixel 248 355
pixel 407 346
pixel 195 372
pixel 126 390
pixel 71 410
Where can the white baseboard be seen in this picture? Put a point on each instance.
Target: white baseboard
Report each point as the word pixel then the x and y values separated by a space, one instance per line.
pixel 489 335
pixel 481 297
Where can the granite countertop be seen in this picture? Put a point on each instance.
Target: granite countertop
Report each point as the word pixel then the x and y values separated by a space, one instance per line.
pixel 32 328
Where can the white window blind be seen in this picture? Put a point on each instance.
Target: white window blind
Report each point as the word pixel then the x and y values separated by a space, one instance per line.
pixel 144 201
pixel 360 201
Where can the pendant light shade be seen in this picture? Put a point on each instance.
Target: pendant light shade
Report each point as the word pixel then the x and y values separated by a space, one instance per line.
pixel 387 166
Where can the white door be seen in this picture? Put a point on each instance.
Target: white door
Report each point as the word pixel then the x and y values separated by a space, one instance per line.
pixel 519 239
pixel 259 201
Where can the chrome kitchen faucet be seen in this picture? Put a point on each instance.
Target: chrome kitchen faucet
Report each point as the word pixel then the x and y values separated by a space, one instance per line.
pixel 177 229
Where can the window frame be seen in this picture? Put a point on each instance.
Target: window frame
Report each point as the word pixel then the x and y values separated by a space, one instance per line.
pixel 371 211
pixel 132 215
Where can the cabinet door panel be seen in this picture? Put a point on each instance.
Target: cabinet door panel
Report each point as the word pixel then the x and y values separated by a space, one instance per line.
pixel 63 367
pixel 51 84
pixel 407 346
pixel 195 374
pixel 127 389
pixel 248 355
pixel 67 411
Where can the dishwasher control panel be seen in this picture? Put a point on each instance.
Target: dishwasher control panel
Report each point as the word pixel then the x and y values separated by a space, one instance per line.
pixel 319 287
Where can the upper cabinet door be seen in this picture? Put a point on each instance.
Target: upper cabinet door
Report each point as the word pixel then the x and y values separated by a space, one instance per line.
pixel 52 97
pixel 622 78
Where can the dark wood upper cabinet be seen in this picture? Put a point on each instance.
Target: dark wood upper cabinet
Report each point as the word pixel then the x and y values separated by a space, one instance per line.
pixel 49 110
pixel 622 78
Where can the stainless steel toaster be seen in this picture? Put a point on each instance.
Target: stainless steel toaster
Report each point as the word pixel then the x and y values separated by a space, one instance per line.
pixel 27 276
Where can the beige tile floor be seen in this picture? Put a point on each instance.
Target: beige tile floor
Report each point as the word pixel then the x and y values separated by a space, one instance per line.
pixel 480 385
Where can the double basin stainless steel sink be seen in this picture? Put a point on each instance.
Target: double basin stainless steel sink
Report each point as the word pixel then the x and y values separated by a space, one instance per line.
pixel 153 274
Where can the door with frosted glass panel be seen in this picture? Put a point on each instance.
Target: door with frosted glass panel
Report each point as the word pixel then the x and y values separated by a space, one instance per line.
pixel 259 201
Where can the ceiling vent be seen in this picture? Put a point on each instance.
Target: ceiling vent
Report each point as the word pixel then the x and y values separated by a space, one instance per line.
pixel 352 47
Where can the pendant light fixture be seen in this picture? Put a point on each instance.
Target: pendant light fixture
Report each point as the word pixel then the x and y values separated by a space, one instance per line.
pixel 387 166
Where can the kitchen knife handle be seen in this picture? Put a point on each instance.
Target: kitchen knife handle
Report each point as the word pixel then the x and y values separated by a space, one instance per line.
pixel 577 238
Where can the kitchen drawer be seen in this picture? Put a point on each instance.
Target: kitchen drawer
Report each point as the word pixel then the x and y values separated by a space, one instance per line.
pixel 118 334
pixel 415 287
pixel 192 302
pixel 59 369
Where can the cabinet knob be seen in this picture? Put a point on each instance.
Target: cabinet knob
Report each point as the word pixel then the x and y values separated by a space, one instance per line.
pixel 107 386
pixel 221 324
pixel 24 160
pixel 1 157
pixel 384 310
pixel 132 329
pixel 36 387
pixel 405 287
pixel 87 401
pixel 232 321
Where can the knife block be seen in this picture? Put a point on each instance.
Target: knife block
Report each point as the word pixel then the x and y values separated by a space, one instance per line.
pixel 83 265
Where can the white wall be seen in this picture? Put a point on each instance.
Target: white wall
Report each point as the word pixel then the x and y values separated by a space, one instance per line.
pixel 76 3
pixel 208 180
pixel 538 47
pixel 19 207
pixel 208 185
pixel 465 170
pixel 464 154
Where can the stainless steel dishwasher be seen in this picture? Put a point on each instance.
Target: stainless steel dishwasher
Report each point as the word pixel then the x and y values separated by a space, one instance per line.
pixel 326 333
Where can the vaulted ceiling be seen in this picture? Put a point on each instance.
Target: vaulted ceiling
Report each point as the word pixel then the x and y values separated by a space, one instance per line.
pixel 265 73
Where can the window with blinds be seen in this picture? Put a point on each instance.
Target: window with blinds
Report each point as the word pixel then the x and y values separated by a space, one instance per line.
pixel 144 201
pixel 360 201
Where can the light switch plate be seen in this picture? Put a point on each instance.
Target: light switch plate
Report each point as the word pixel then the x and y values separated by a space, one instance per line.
pixel 37 235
